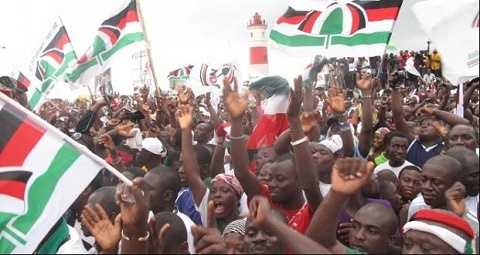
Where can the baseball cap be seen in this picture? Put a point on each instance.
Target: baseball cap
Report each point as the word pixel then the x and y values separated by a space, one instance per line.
pixel 334 143
pixel 154 146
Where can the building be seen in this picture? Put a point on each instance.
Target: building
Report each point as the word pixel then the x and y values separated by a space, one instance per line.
pixel 257 29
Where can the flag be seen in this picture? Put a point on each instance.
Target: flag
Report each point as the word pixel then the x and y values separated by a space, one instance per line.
pixel 13 78
pixel 118 34
pixel 459 99
pixel 410 67
pixel 336 28
pixel 54 56
pixel 273 121
pixel 204 78
pixel 444 22
pixel 42 172
pixel 312 71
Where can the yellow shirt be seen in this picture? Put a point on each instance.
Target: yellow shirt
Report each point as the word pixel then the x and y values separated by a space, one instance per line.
pixel 435 61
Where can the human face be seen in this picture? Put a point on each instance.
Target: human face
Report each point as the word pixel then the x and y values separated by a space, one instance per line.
pixel 419 242
pixel 264 175
pixel 470 177
pixel 235 244
pixel 396 150
pixel 323 158
pixel 369 232
pixel 178 166
pixel 156 192
pixel 377 141
pixel 391 195
pixel 224 200
pixel 283 185
pixel 202 133
pixel 259 241
pixel 462 136
pixel 409 184
pixel 427 131
pixel 435 181
pixel 264 155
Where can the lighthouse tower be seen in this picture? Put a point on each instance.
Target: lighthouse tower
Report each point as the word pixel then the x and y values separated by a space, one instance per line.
pixel 258 45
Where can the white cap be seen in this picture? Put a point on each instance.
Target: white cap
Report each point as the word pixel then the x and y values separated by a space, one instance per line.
pixel 333 143
pixel 154 146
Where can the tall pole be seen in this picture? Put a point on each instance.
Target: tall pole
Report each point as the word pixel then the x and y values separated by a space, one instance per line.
pixel 149 54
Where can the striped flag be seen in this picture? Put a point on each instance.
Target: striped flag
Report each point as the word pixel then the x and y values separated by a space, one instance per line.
pixel 42 172
pixel 444 22
pixel 273 121
pixel 119 33
pixel 15 79
pixel 336 28
pixel 53 58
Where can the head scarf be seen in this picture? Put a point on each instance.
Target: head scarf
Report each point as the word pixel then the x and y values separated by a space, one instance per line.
pixel 231 180
pixel 382 131
pixel 236 227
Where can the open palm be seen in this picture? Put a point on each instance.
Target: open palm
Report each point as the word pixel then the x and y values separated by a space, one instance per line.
pixel 106 233
pixel 364 82
pixel 336 100
pixel 236 105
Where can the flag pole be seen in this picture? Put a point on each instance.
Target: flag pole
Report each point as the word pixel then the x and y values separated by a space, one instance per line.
pixel 149 53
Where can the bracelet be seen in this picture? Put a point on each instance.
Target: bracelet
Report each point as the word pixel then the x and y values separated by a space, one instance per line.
pixel 299 141
pixel 140 239
pixel 237 137
pixel 367 96
pixel 344 126
pixel 296 130
pixel 116 161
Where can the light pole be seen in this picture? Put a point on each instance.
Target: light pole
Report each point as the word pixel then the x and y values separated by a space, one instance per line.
pixel 428 48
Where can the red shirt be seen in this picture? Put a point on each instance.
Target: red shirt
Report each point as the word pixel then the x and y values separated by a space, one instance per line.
pixel 298 219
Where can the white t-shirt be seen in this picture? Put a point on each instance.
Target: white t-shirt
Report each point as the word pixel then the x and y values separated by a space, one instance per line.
pixel 74 244
pixel 324 188
pixel 396 170
pixel 134 142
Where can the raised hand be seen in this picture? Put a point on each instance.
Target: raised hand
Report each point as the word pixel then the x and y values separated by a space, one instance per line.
pixel 259 210
pixel 97 222
pixel 426 111
pixel 364 81
pixel 184 95
pixel 106 140
pixel 185 116
pixel 350 174
pixel 296 99
pixel 235 104
pixel 134 202
pixel 336 100
pixel 308 120
pixel 208 240
pixel 124 130
pixel 456 201
pixel 113 122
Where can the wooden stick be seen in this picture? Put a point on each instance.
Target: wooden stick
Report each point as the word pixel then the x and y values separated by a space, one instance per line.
pixel 149 54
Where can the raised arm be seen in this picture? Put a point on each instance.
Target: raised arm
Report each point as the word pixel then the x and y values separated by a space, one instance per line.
pixel 216 165
pixel 236 107
pixel 303 156
pixel 213 114
pixel 336 100
pixel 448 117
pixel 189 160
pixel 348 177
pixel 261 216
pixel 364 82
pixel 397 111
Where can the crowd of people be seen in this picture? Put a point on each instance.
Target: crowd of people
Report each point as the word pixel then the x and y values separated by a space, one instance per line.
pixel 367 165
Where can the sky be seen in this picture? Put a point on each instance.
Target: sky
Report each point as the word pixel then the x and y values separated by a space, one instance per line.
pixel 181 32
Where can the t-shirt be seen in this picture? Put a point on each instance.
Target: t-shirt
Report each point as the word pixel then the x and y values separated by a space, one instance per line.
pixel 186 205
pixel 324 188
pixel 297 219
pixel 418 154
pixel 396 169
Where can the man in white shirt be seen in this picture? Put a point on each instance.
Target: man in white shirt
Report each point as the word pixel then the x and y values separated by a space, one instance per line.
pixel 396 148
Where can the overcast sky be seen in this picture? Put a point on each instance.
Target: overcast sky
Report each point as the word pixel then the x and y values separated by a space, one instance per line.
pixel 181 32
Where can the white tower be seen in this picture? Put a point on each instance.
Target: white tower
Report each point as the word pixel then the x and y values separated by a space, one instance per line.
pixel 258 44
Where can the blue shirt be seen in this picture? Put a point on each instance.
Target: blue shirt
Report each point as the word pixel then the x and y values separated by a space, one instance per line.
pixel 186 205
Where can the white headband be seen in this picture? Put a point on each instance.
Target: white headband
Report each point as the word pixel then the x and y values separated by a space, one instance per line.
pixel 452 239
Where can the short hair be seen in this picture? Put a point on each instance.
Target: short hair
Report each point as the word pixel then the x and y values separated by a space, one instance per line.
pixel 105 196
pixel 409 168
pixel 169 179
pixel 387 175
pixel 389 215
pixel 286 157
pixel 474 131
pixel 135 171
pixel 388 137
pixel 464 155
pixel 172 156
pixel 203 155
pixel 447 162
pixel 176 235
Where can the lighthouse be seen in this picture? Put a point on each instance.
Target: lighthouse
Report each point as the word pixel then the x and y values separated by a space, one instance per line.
pixel 257 30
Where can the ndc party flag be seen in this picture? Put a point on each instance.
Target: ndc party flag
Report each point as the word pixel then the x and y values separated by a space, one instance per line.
pixel 204 78
pixel 42 172
pixel 119 33
pixel 273 121
pixel 453 26
pixel 336 28
pixel 54 56
pixel 13 79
